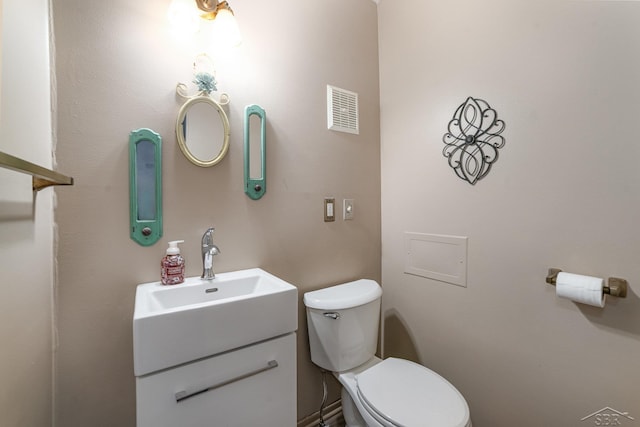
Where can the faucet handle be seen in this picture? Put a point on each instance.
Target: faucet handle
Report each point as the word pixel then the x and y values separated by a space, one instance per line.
pixel 207 237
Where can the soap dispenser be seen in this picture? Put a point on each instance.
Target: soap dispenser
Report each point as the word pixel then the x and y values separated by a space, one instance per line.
pixel 172 265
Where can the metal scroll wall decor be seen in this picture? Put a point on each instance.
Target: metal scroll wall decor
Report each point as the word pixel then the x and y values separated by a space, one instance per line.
pixel 473 140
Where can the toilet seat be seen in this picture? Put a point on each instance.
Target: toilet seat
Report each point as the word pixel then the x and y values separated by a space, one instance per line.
pixel 401 393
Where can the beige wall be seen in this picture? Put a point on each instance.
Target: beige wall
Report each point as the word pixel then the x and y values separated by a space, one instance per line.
pixel 26 222
pixel 117 69
pixel 564 193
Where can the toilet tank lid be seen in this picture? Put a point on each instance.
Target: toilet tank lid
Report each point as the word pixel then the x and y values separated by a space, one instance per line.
pixel 343 296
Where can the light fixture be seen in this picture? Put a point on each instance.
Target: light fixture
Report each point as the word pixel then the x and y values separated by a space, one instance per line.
pixel 183 18
pixel 224 27
pixel 212 7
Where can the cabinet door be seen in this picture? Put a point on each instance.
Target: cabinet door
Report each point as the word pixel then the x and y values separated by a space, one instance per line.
pixel 252 386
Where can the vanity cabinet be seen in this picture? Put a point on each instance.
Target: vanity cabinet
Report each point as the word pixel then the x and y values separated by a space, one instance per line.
pixel 251 386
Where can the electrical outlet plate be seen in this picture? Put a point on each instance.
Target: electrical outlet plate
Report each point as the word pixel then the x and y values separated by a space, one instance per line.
pixel 347 209
pixel 329 209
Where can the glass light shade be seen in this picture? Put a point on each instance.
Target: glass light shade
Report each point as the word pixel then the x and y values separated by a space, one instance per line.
pixel 183 16
pixel 225 29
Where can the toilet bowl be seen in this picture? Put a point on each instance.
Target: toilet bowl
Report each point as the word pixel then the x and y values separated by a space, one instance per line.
pixel 396 392
pixel 343 325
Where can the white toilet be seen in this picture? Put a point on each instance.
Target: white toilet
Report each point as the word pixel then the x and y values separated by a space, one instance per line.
pixel 343 325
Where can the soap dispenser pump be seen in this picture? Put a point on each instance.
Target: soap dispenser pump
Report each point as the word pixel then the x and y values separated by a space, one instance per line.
pixel 172 265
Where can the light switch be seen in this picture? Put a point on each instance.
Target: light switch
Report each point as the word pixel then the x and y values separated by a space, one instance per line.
pixel 329 209
pixel 347 212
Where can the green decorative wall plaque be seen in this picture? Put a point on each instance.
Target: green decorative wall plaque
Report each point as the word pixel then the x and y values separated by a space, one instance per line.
pixel 145 186
pixel 255 182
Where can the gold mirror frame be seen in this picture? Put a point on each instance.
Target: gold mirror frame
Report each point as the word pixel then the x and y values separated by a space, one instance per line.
pixel 180 131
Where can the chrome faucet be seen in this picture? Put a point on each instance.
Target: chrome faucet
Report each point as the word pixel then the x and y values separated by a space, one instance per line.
pixel 209 250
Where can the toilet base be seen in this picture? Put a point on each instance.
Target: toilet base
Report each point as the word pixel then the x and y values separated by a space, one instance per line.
pixel 350 403
pixel 352 417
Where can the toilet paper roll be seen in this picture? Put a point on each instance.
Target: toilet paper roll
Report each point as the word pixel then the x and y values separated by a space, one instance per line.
pixel 582 289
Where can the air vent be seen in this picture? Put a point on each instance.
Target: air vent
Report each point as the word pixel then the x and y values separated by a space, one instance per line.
pixel 342 110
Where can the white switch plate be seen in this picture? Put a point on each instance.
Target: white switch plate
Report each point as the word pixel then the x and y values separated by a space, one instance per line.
pixel 347 211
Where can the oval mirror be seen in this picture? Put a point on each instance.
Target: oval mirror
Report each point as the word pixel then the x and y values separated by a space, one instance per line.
pixel 203 132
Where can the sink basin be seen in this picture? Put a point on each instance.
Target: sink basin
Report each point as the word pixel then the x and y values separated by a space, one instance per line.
pixel 199 318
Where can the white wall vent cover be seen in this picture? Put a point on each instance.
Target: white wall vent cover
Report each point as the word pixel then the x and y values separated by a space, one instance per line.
pixel 437 257
pixel 342 110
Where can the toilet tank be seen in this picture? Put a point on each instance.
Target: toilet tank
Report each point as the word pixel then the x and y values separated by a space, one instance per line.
pixel 343 323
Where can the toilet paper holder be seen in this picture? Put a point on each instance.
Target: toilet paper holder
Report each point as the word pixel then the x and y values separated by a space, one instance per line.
pixel 615 286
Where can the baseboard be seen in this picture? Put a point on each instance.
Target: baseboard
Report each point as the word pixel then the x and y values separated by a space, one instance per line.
pixel 332 415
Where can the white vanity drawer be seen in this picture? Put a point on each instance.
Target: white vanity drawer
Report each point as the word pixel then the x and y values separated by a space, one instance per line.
pixel 251 386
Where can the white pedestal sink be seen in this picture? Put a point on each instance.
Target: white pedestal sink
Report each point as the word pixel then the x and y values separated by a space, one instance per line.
pixel 173 325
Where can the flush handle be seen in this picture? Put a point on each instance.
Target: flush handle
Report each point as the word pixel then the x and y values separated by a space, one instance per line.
pixel 332 314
